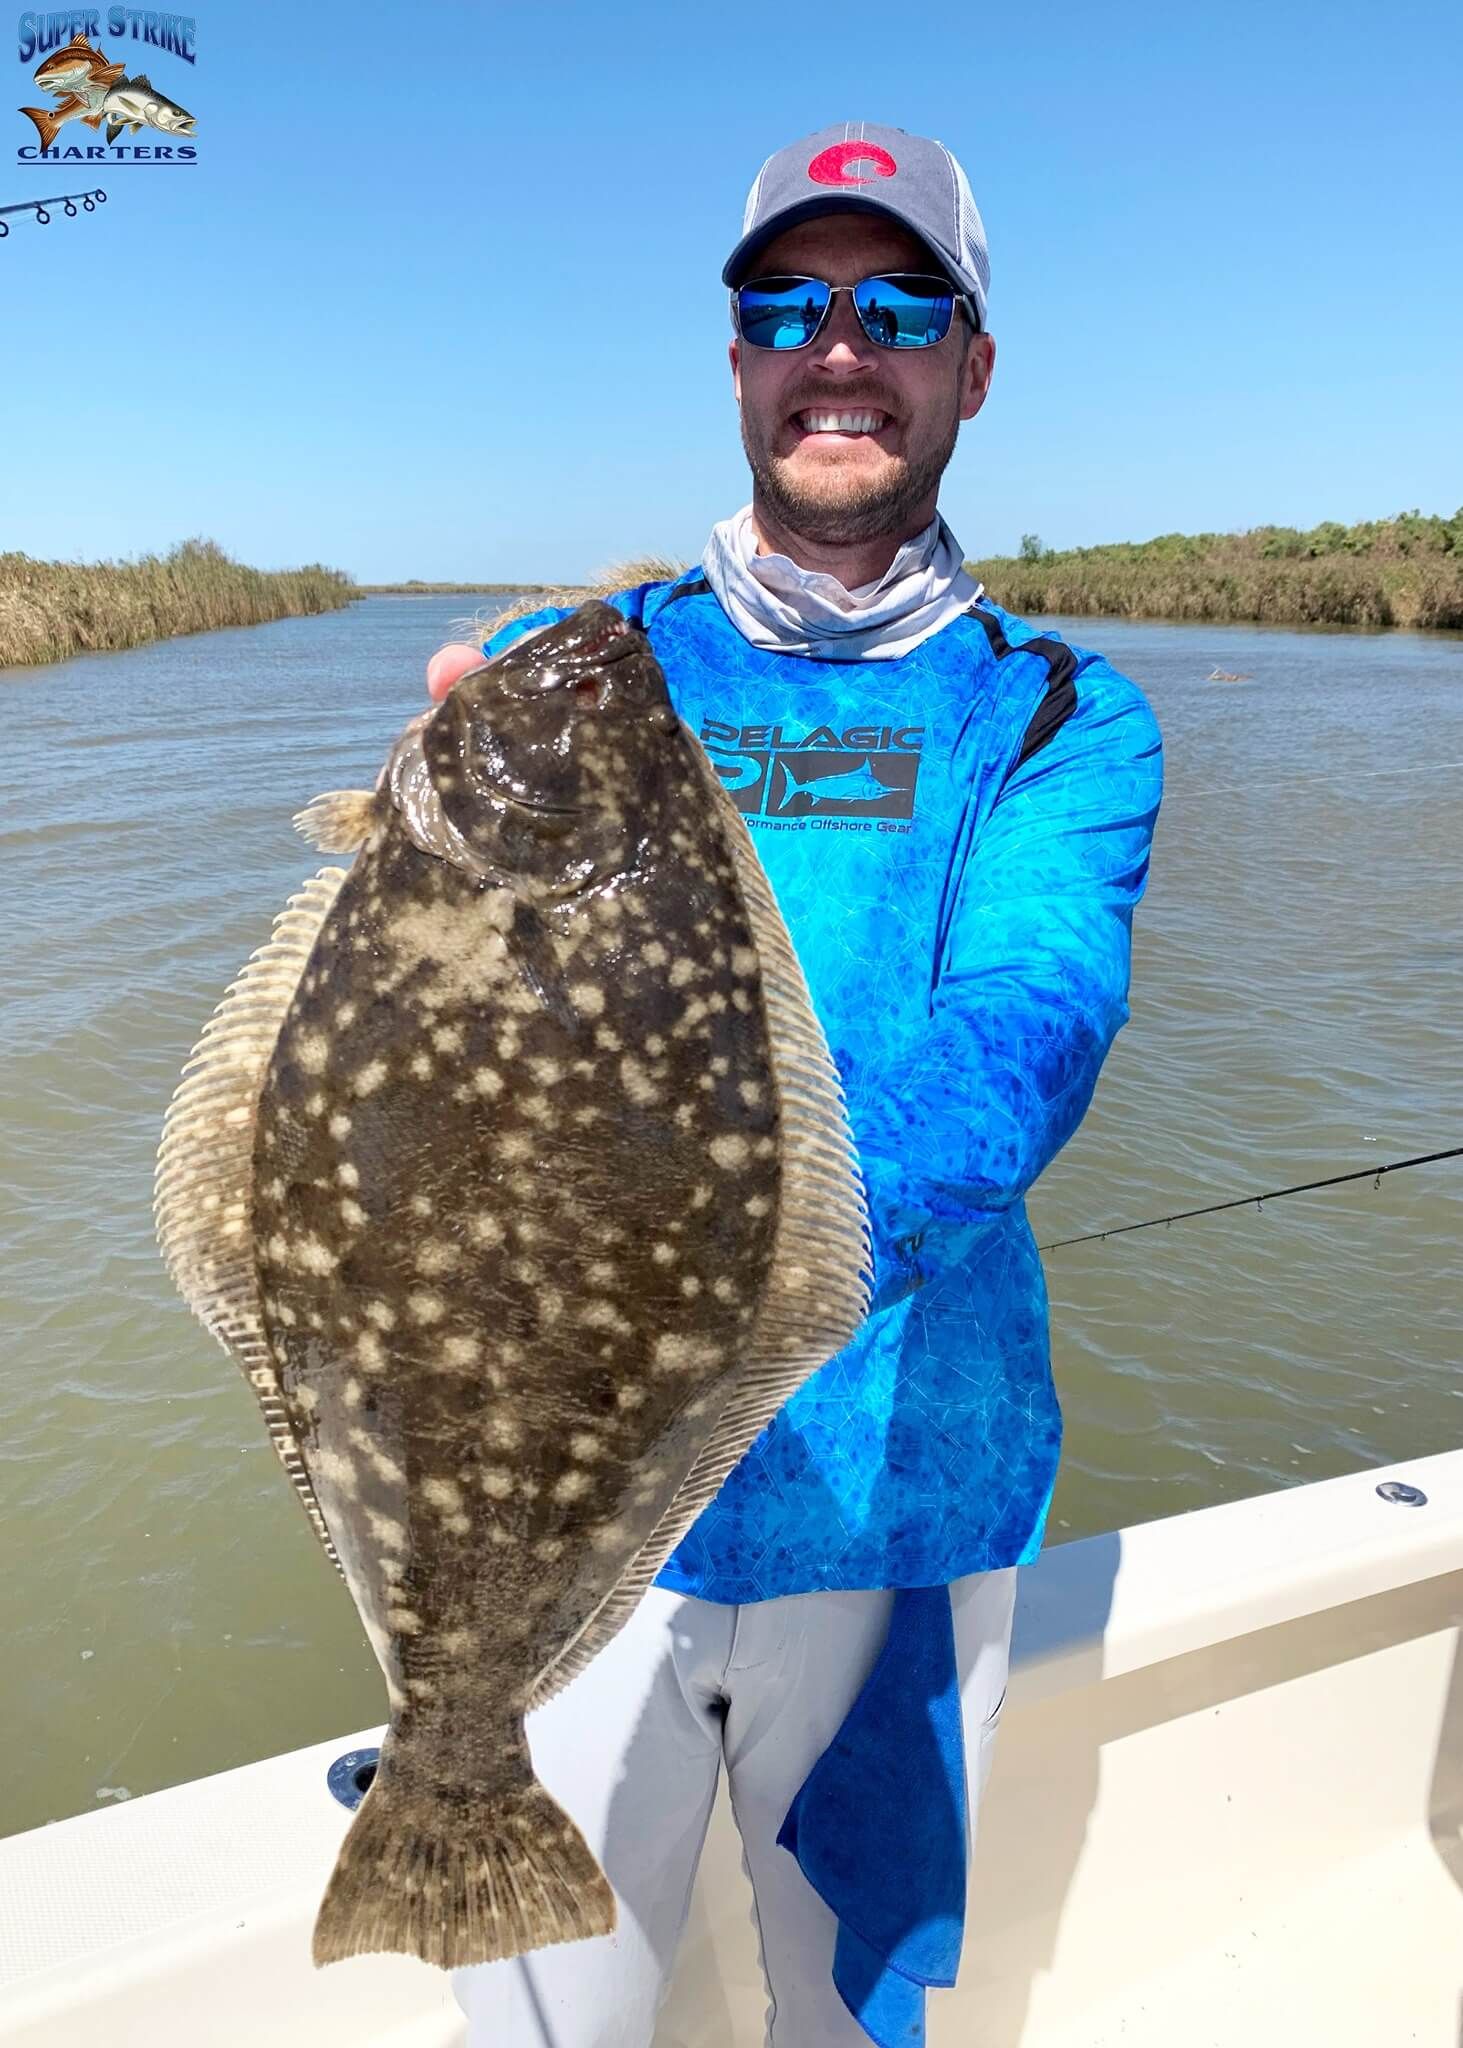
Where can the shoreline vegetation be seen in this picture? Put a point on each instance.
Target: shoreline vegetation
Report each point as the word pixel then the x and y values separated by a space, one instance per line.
pixel 1406 571
pixel 52 610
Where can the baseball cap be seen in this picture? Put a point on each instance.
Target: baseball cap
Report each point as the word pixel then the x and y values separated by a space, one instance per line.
pixel 859 167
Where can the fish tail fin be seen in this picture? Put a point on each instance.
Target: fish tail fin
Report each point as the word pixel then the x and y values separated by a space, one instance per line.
pixel 456 1877
pixel 47 126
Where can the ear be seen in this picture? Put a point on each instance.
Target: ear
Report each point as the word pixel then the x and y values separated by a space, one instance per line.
pixel 976 373
pixel 734 357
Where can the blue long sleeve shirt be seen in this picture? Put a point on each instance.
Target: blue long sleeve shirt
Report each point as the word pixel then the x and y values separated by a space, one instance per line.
pixel 956 839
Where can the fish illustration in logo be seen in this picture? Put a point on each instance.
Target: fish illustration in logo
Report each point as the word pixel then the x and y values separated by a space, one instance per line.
pixel 79 78
pixel 858 785
pixel 136 103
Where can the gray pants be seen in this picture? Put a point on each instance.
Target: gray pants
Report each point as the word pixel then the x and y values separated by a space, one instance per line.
pixel 632 1750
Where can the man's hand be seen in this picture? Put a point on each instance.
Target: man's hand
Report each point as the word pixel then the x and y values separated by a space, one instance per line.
pixel 448 665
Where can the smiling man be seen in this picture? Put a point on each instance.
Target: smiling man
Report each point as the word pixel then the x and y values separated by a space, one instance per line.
pixel 955 813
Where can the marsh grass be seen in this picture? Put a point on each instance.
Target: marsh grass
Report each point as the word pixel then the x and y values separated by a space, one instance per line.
pixel 1406 571
pixel 49 610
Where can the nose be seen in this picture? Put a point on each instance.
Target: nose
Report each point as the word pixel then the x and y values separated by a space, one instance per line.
pixel 843 348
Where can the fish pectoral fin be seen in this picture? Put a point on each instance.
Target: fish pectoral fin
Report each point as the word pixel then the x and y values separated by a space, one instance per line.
pixel 205 1166
pixel 114 129
pixel 532 951
pixel 338 821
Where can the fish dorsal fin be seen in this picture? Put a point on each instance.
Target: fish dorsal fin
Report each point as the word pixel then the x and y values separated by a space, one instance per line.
pixel 205 1166
pixel 144 81
pixel 338 821
pixel 79 42
pixel 817 1294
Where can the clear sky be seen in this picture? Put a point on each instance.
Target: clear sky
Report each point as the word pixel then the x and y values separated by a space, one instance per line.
pixel 440 297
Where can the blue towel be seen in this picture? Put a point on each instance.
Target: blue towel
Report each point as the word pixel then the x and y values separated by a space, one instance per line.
pixel 878 1827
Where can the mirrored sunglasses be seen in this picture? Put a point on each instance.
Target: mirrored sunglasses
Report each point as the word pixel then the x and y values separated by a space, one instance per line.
pixel 899 310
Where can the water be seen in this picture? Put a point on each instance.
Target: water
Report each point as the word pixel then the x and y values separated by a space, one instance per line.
pixel 1299 972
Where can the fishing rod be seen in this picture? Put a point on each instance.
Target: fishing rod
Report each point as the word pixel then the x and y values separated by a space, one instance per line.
pixel 90 201
pixel 1371 1173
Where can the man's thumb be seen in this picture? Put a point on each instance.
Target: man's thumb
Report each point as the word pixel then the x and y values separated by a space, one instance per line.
pixel 448 666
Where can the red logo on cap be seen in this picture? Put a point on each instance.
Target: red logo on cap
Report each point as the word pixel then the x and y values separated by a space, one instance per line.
pixel 851 163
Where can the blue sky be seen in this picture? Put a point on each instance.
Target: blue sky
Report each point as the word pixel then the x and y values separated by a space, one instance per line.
pixel 380 323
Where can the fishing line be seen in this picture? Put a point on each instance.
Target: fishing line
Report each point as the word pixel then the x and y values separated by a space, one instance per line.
pixel 90 201
pixel 1371 1173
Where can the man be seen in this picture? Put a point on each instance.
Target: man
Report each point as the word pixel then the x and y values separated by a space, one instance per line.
pixel 955 814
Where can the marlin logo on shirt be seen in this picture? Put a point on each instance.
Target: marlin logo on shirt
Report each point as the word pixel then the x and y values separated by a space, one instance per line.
pixel 794 775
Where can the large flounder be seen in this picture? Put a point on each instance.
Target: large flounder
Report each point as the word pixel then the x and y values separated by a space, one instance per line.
pixel 514 1172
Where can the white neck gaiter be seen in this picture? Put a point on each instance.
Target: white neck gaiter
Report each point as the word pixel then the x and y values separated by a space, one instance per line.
pixel 775 604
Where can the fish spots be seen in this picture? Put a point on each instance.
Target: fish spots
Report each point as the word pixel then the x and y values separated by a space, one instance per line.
pixel 458 1641
pixel 445 1495
pixel 335 1469
pixel 370 1352
pixel 571 1486
pixel 629 1397
pixel 690 1287
pixel 420 1205
pixel 307 1399
pixel 607 1040
pixel 757 1205
pixel 458 1353
pixel 487 1081
pixel 484 1228
pixel 600 1273
pixel 637 1083
pixel 421 1066
pixel 751 1093
pixel 723 1289
pixel 315 1104
pixel 515 1145
pixel 548 1073
pixel 496 1482
pixel 611 1535
pixel 548 1548
pixel 339 1125
pixel 535 1108
pixel 381 1313
pixel 504 1432
pixel 682 971
pixel 586 1446
pixel 388 1532
pixel 368 1079
pixel 425 1306
pixel 315 1256
pixel 348 1175
pixel 654 954
pixel 550 1305
pixel 311 1051
pixel 675 1351
pixel 351 1394
pixel 403 1621
pixel 730 1151
pixel 345 1016
pixel 447 1038
pixel 437 1255
pixel 352 1214
pixel 744 961
pixel 700 1195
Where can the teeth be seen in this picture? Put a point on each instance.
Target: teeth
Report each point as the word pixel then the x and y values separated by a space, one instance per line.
pixel 842 422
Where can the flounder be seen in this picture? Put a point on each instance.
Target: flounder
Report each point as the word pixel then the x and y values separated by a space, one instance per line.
pixel 514 1172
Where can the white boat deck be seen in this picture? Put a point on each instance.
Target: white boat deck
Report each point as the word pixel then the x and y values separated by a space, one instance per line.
pixel 1226 1812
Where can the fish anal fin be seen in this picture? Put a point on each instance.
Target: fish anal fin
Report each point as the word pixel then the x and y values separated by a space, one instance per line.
pixel 92 120
pixel 817 1293
pixel 114 129
pixel 338 821
pixel 205 1168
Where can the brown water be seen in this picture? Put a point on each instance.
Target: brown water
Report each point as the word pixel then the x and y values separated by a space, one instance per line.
pixel 164 1609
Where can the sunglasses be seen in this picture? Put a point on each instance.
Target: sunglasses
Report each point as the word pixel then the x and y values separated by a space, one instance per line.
pixel 903 310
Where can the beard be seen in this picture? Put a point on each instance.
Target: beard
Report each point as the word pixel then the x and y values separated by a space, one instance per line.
pixel 837 506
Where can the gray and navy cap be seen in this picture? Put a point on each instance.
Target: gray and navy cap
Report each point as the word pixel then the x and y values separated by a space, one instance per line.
pixel 858 167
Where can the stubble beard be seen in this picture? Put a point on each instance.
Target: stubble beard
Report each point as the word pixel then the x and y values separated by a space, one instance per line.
pixel 838 508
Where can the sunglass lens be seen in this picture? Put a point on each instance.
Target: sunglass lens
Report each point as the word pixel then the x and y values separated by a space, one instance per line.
pixel 905 312
pixel 780 312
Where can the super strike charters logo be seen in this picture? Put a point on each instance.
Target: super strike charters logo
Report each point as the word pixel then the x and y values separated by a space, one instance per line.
pixel 794 775
pixel 98 90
